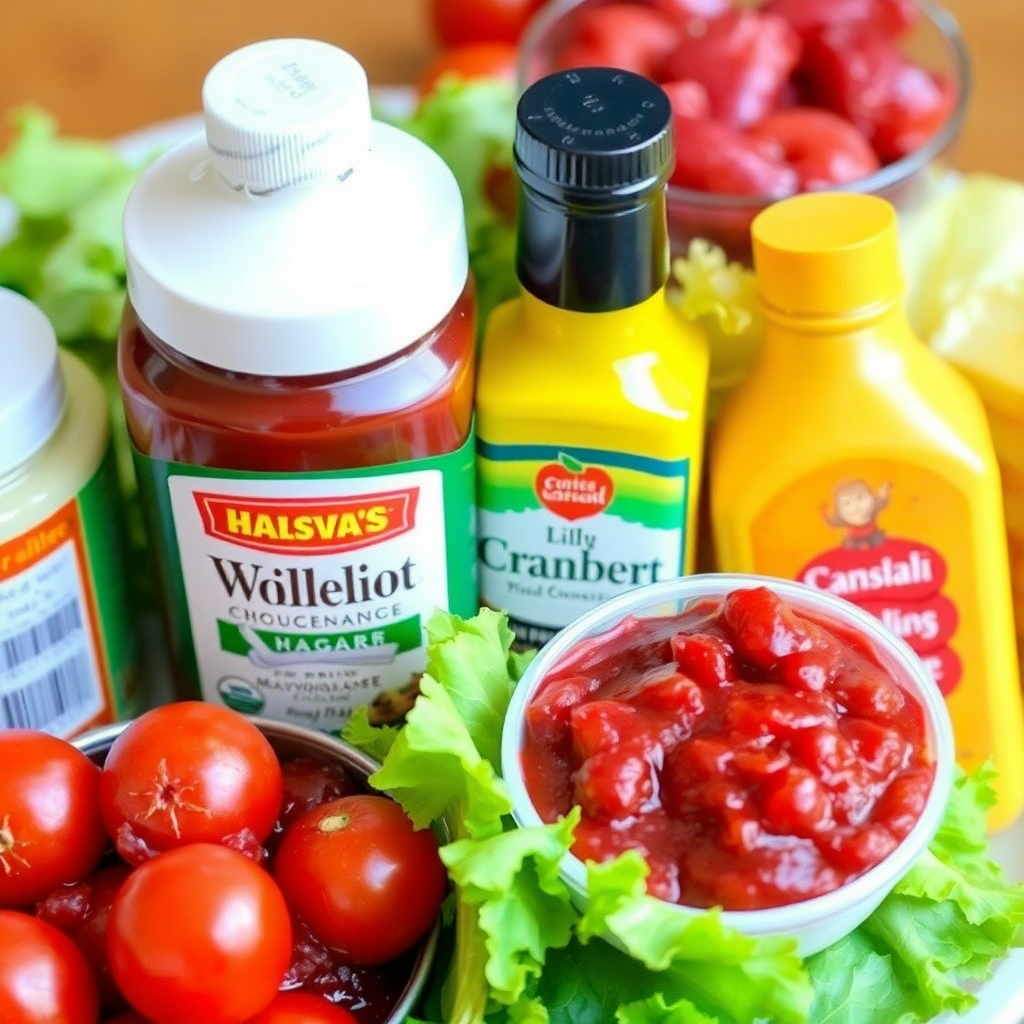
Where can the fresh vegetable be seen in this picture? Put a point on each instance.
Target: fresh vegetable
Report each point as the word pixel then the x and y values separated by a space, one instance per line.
pixel 457 22
pixel 50 832
pixel 468 62
pixel 390 891
pixel 186 920
pixel 623 35
pixel 823 148
pixel 189 772
pixel 199 933
pixel 522 953
pixel 897 105
pixel 82 911
pixel 743 59
pixel 44 979
pixel 864 102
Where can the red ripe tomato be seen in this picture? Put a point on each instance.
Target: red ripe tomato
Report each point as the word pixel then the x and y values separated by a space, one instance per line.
pixel 390 890
pixel 189 773
pixel 199 933
pixel 859 73
pixel 81 911
pixel 44 979
pixel 50 830
pixel 302 1008
pixel 474 60
pixel 712 157
pixel 621 35
pixel 743 59
pixel 128 1018
pixel 457 22
pixel 893 17
pixel 823 148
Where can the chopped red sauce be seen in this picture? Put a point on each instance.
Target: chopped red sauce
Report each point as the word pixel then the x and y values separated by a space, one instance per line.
pixel 755 756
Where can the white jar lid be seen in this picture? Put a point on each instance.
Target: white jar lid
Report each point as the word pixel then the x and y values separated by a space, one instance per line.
pixel 32 394
pixel 298 236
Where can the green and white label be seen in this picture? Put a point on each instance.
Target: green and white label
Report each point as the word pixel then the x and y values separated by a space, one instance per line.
pixel 306 596
pixel 563 529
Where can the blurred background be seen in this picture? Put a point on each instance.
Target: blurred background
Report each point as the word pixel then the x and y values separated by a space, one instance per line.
pixel 111 67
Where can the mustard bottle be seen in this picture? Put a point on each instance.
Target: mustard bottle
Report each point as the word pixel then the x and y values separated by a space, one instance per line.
pixel 856 460
pixel 591 390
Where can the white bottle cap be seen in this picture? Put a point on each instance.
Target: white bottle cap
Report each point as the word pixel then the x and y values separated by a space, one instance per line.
pixel 285 112
pixel 32 395
pixel 253 248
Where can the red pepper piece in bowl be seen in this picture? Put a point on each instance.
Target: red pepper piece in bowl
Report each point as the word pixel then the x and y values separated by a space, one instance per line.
pixel 744 59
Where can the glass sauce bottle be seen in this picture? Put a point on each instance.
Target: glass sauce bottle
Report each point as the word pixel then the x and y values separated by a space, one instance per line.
pixel 297 363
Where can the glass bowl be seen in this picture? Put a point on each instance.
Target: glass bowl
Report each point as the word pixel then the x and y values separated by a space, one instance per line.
pixel 816 922
pixel 935 41
pixel 297 741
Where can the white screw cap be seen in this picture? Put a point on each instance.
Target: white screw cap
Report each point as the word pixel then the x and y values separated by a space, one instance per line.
pixel 32 394
pixel 286 112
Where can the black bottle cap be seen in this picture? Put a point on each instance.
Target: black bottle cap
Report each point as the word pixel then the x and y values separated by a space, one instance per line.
pixel 593 134
pixel 593 151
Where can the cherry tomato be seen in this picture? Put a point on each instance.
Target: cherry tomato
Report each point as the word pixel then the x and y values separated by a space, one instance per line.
pixel 712 157
pixel 457 22
pixel 893 17
pixel 743 59
pixel 44 979
pixel 501 187
pixel 189 773
pixel 860 74
pixel 50 830
pixel 390 890
pixel 301 1008
pixel 474 60
pixel 622 35
pixel 823 148
pixel 199 933
pixel 81 911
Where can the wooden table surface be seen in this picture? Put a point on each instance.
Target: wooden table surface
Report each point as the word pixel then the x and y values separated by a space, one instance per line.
pixel 112 66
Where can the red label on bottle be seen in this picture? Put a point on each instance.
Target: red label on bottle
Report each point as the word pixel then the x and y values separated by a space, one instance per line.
pixel 308 525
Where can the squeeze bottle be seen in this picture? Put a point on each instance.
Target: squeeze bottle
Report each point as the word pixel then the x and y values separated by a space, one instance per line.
pixel 591 393
pixel 856 460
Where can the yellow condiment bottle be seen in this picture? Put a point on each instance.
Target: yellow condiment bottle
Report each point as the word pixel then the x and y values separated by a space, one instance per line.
pixel 591 389
pixel 856 460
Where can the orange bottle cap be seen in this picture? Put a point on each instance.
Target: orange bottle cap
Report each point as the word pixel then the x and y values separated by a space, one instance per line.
pixel 827 253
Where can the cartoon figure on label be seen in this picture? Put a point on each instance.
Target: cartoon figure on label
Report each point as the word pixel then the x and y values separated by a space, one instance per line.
pixel 855 508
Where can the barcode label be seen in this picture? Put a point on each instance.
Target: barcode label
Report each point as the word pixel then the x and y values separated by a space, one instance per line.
pixel 30 643
pixel 55 701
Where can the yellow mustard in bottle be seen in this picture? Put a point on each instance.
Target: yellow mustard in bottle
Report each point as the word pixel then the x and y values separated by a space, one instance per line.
pixel 591 390
pixel 856 460
pixel 68 649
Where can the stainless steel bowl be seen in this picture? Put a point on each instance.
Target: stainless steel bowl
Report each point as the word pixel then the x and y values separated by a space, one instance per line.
pixel 296 741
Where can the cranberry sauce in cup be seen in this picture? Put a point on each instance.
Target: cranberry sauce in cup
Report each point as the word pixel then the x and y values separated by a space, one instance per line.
pixel 765 747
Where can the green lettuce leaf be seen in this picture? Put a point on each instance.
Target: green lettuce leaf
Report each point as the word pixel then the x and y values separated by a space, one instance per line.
pixel 951 918
pixel 737 977
pixel 524 906
pixel 375 740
